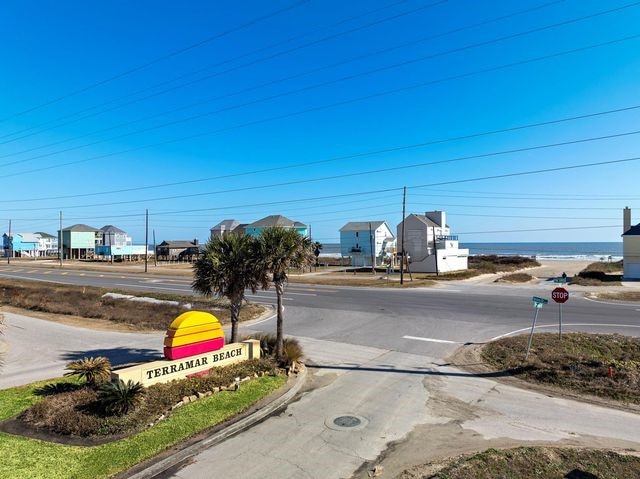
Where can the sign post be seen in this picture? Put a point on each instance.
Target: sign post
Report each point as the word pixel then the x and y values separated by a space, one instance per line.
pixel 560 296
pixel 537 304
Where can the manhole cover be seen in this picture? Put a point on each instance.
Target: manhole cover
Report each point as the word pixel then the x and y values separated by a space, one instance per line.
pixel 347 421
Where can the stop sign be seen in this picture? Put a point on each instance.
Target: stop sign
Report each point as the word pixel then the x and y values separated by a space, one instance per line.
pixel 560 295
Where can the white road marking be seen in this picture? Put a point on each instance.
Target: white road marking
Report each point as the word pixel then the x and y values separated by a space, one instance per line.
pixel 430 340
pixel 153 287
pixel 563 325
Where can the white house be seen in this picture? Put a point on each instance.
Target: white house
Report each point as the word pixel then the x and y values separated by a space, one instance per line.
pixel 429 244
pixel 358 239
pixel 630 247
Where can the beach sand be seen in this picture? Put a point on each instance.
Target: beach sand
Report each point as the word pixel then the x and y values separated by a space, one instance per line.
pixel 555 268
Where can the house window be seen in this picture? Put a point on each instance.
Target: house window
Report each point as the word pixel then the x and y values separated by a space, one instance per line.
pixel 356 234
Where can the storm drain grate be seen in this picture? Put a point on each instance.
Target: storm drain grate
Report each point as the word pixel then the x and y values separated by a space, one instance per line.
pixel 347 421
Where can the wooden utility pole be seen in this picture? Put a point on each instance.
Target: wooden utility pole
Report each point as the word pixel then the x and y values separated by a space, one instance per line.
pixel 435 250
pixel 373 265
pixel 404 202
pixel 146 239
pixel 60 236
pixel 155 252
pixel 9 245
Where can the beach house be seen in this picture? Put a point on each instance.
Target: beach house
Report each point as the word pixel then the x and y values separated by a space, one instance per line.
pixel 630 247
pixel 366 242
pixel 429 244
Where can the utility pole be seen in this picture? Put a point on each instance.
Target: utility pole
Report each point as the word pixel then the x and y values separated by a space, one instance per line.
pixel 155 253
pixel 404 202
pixel 146 239
pixel 373 265
pixel 60 236
pixel 9 245
pixel 435 250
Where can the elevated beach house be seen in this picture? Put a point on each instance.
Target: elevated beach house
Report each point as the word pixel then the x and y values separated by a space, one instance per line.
pixel 630 247
pixel 366 242
pixel 429 244
pixel 79 241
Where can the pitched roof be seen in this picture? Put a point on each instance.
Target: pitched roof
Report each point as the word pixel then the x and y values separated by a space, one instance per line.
pixel 633 231
pixel 361 225
pixel 45 235
pixel 112 229
pixel 227 224
pixel 29 237
pixel 276 220
pixel 177 244
pixel 424 219
pixel 80 228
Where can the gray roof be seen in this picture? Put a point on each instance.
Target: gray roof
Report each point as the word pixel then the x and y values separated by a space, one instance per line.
pixel 177 244
pixel 111 229
pixel 633 231
pixel 276 220
pixel 81 228
pixel 361 225
pixel 45 235
pixel 425 220
pixel 227 224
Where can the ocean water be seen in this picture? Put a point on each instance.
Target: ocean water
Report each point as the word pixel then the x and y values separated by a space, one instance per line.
pixel 550 251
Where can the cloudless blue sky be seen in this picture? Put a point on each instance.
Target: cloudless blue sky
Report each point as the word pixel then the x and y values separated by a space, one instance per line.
pixel 202 111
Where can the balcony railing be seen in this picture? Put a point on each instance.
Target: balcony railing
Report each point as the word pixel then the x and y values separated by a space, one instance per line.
pixel 447 238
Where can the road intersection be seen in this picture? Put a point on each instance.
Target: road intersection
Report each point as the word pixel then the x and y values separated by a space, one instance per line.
pixel 374 354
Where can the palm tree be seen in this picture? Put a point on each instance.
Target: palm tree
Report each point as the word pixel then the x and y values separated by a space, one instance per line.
pixel 227 268
pixel 95 371
pixel 282 249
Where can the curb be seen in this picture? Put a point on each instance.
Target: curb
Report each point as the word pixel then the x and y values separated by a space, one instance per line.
pixel 182 455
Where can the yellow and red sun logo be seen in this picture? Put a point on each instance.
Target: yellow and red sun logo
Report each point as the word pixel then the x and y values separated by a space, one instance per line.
pixel 192 333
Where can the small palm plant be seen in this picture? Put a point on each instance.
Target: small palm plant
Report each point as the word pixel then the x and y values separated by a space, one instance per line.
pixel 95 371
pixel 119 398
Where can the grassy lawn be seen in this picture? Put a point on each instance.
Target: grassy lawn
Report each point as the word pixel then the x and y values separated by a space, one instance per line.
pixel 541 462
pixel 578 362
pixel 515 278
pixel 22 457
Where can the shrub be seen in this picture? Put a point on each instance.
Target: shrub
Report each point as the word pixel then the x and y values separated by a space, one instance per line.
pixel 94 371
pixel 80 412
pixel 118 398
pixel 292 350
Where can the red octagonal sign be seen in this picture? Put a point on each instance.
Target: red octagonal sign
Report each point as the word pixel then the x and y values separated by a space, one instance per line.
pixel 560 295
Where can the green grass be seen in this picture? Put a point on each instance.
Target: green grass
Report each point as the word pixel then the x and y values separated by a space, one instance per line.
pixel 22 457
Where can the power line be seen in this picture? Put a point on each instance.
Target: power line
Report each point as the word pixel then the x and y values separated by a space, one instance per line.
pixel 156 60
pixel 483 178
pixel 298 90
pixel 541 230
pixel 253 62
pixel 338 158
pixel 340 103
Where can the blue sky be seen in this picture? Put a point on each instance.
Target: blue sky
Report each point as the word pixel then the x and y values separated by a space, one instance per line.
pixel 321 111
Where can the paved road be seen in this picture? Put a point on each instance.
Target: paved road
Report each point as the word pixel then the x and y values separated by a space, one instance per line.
pixel 375 354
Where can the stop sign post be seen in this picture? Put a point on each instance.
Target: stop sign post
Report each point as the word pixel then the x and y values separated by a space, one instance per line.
pixel 560 296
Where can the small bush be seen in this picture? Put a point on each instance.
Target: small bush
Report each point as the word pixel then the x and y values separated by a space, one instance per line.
pixel 118 398
pixel 95 371
pixel 292 350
